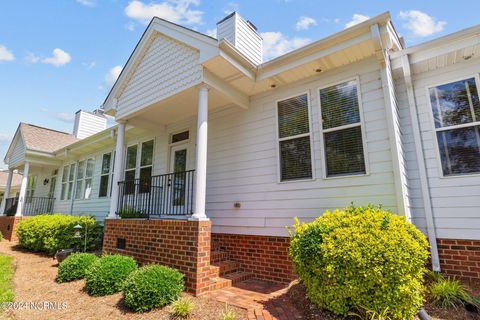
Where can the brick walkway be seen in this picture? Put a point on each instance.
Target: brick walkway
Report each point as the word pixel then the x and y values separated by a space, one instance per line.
pixel 263 300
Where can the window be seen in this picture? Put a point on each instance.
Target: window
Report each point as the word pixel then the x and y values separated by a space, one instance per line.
pixel 71 176
pixel 105 174
pixel 83 187
pixel 181 136
pixel 456 114
pixel 89 178
pixel 146 163
pixel 80 180
pixel 294 139
pixel 130 166
pixel 31 183
pixel 64 183
pixel 342 130
pixel 53 183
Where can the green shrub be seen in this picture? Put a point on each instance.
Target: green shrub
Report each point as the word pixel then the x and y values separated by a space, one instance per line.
pixel 131 213
pixel 152 286
pixel 449 293
pixel 75 266
pixel 361 258
pixel 108 274
pixel 49 233
pixel 182 308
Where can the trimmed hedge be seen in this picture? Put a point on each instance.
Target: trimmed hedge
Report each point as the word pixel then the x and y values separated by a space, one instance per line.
pixel 361 259
pixel 107 274
pixel 49 233
pixel 152 286
pixel 75 266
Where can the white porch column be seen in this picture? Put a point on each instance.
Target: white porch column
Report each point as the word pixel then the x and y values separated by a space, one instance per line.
pixel 6 194
pixel 201 155
pixel 23 189
pixel 118 169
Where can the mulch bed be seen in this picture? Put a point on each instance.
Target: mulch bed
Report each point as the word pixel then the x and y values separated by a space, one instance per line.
pixel 298 294
pixel 34 281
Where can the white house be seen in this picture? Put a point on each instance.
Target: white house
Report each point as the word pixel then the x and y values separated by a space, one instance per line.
pixel 207 131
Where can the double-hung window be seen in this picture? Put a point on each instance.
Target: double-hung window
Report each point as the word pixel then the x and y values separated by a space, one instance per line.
pixel 105 174
pixel 64 183
pixel 456 114
pixel 130 167
pixel 71 177
pixel 31 183
pixel 83 185
pixel 80 180
pixel 342 130
pixel 294 138
pixel 146 164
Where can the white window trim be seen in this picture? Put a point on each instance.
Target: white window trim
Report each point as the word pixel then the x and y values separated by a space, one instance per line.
pixel 434 130
pixel 64 182
pixel 109 174
pixel 138 157
pixel 84 179
pixel 361 124
pixel 278 139
pixel 72 195
pixel 172 133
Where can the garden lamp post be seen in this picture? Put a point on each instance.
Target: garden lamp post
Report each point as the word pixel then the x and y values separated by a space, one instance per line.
pixel 78 234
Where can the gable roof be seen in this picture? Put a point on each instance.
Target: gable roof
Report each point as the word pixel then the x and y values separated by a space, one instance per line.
pixel 43 139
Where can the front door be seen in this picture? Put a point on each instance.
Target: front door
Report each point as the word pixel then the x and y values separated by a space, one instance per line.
pixel 177 181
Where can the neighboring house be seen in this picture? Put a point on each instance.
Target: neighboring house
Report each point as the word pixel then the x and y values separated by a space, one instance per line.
pixel 14 184
pixel 354 117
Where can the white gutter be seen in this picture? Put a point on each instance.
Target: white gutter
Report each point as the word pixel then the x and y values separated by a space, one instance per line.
pixel 427 203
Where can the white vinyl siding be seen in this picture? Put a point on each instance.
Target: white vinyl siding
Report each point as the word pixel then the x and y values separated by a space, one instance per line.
pixel 455 201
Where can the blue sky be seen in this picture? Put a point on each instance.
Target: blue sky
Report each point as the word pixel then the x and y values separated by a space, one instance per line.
pixel 57 57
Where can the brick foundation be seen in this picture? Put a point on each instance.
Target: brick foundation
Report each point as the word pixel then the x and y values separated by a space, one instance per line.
pixel 460 258
pixel 265 257
pixel 8 227
pixel 181 244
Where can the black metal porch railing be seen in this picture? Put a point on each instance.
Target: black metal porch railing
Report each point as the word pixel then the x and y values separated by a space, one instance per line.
pixel 164 195
pixel 37 205
pixel 11 205
pixel 31 207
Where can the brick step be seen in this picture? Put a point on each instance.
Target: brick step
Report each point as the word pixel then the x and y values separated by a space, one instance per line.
pixel 238 276
pixel 224 267
pixel 217 283
pixel 217 256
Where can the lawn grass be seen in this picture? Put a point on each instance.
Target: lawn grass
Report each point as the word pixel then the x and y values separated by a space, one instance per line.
pixel 6 274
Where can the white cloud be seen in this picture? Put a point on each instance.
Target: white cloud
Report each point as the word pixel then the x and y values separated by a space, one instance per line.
pixel 5 137
pixel 356 19
pixel 304 23
pixel 5 54
pixel 112 75
pixel 231 7
pixel 65 117
pixel 44 109
pixel 89 65
pixel 87 3
pixel 212 32
pixel 32 58
pixel 336 20
pixel 59 58
pixel 178 11
pixel 420 23
pixel 276 44
pixel 130 26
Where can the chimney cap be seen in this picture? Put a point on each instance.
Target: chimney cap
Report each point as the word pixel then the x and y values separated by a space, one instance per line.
pixel 227 17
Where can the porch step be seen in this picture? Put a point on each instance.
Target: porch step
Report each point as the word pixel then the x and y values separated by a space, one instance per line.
pixel 238 276
pixel 225 267
pixel 219 283
pixel 217 256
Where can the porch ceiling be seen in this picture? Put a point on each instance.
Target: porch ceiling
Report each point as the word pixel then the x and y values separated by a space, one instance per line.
pixel 175 108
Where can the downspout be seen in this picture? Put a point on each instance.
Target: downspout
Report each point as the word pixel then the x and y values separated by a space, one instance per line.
pixel 427 202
